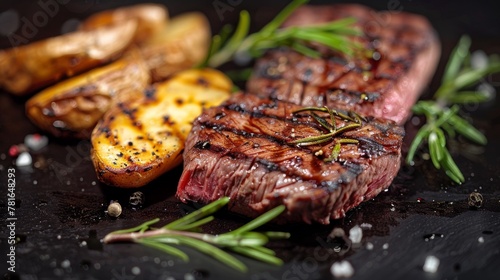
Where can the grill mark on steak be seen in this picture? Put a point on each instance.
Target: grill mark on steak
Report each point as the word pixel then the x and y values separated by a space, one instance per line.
pixel 386 85
pixel 242 149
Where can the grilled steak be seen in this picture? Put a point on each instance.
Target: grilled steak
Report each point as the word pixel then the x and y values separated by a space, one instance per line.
pixel 405 54
pixel 254 151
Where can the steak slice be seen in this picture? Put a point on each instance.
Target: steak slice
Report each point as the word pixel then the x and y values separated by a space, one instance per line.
pixel 405 54
pixel 244 149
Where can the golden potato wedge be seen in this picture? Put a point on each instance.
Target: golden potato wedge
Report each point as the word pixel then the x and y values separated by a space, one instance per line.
pixel 181 45
pixel 26 68
pixel 73 107
pixel 151 19
pixel 138 141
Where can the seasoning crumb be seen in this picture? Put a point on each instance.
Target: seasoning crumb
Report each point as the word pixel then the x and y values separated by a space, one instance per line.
pixel 475 200
pixel 136 199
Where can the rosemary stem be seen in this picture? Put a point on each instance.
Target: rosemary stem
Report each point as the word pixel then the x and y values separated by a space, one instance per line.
pixel 134 236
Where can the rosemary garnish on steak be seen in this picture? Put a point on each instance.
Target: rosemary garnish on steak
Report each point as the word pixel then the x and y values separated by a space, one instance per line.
pixel 186 231
pixel 336 35
pixel 331 131
pixel 442 111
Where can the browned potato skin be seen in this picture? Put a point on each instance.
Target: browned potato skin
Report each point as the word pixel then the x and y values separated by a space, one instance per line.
pixel 26 68
pixel 181 45
pixel 151 19
pixel 137 141
pixel 72 108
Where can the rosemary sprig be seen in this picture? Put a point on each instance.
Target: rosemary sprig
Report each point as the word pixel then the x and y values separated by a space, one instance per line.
pixel 186 231
pixel 336 35
pixel 332 132
pixel 442 112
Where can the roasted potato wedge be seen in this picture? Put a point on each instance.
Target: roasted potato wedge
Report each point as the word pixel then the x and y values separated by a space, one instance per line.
pixel 151 19
pixel 181 45
pixel 137 141
pixel 73 107
pixel 26 68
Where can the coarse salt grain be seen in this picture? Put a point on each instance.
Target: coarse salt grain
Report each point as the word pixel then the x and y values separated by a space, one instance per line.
pixel 36 141
pixel 355 234
pixel 366 226
pixel 342 269
pixel 431 264
pixel 24 159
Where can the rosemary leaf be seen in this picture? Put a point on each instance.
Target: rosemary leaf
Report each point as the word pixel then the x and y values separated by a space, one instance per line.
pixel 450 131
pixel 258 255
pixel 464 97
pixel 141 227
pixel 198 214
pixel 303 49
pixel 435 149
pixel 194 226
pixel 165 248
pixel 225 53
pixel 441 138
pixel 323 122
pixel 467 130
pixel 243 239
pixel 214 252
pixel 259 221
pixel 422 133
pixel 313 140
pixel 282 16
pixel 333 41
pixel 457 57
pixel 264 250
pixel 452 168
pixel 277 234
pixel 335 153
pixel 473 76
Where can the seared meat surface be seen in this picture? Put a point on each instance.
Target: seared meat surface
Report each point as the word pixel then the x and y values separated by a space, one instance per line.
pixel 405 52
pixel 250 149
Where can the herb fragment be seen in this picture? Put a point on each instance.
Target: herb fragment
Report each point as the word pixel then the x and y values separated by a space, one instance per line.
pixel 186 231
pixel 442 112
pixel 331 131
pixel 336 35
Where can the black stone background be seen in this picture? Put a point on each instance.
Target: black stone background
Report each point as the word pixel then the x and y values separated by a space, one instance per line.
pixel 58 207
